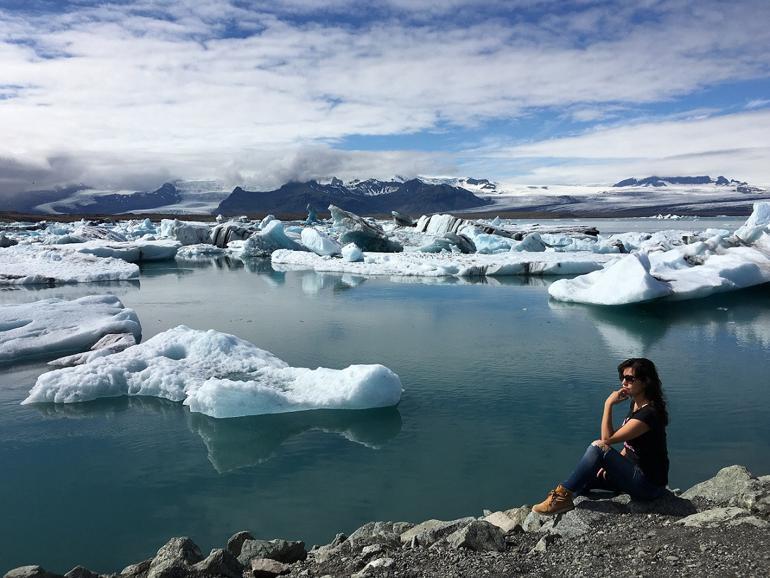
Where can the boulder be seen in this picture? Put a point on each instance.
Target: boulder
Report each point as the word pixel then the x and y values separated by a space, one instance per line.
pixel 729 515
pixel 220 563
pixel 668 505
pixel 502 521
pixel 368 236
pixel 236 541
pixel 369 569
pixel 175 558
pixel 543 544
pixel 279 550
pixel 81 572
pixel 267 568
pixel 571 524
pixel 137 570
pixel 734 486
pixel 30 572
pixel 431 531
pixel 479 536
pixel 533 522
pixel 519 514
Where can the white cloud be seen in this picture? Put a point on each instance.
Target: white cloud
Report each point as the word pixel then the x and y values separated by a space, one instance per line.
pixel 734 145
pixel 162 86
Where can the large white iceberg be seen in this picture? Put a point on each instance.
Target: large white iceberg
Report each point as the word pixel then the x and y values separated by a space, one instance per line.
pixel 417 264
pixel 54 327
pixel 699 269
pixel 219 375
pixel 131 251
pixel 49 265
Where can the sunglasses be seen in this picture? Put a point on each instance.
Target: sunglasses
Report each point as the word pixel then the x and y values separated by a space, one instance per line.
pixel 629 378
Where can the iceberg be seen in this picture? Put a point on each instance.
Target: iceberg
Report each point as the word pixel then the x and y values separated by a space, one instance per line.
pixel 264 242
pixel 418 264
pixel 186 233
pixel 319 243
pixel 53 327
pixel 219 375
pixel 131 251
pixel 51 265
pixel 717 264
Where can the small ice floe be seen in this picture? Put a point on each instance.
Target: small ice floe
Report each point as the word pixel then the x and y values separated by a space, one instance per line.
pixel 219 375
pixel 51 265
pixel 107 345
pixel 417 264
pixel 690 271
pixel 53 327
pixel 187 233
pixel 198 251
pixel 131 251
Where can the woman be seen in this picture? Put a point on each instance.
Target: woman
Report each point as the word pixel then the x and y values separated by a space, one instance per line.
pixel 641 468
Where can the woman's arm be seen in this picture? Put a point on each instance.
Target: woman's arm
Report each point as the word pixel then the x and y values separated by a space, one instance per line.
pixel 615 397
pixel 633 428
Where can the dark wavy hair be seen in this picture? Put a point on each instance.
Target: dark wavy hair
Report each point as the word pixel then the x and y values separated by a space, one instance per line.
pixel 645 370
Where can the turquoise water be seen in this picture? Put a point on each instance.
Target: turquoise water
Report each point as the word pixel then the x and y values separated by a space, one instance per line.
pixel 503 390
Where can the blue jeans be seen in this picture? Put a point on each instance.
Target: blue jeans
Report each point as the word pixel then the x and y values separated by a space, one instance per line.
pixel 622 475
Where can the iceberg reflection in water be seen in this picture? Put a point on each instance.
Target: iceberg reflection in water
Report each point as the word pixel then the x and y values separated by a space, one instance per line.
pixel 248 441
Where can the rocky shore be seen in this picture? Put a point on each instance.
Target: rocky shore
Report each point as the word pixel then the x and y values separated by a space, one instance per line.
pixel 718 527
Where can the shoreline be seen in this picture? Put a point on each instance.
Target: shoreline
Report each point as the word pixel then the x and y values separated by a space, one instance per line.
pixel 719 526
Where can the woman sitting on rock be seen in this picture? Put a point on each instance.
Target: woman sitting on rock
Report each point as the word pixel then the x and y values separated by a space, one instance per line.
pixel 641 468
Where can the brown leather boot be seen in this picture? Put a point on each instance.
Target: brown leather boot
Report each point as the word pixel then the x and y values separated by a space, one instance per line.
pixel 557 502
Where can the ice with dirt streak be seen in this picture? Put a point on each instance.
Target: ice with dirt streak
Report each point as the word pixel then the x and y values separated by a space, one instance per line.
pixel 53 327
pixel 219 375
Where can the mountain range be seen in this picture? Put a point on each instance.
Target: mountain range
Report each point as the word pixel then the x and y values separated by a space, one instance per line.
pixel 634 196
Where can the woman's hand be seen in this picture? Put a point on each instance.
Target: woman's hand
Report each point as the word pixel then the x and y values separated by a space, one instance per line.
pixel 617 396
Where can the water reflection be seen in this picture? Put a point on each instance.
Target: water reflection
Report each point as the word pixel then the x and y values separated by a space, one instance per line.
pixel 26 293
pixel 245 441
pixel 634 330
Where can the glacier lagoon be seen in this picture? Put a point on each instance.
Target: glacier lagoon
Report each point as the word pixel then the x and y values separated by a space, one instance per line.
pixel 502 391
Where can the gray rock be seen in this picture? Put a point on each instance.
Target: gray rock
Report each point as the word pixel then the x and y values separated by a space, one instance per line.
pixel 432 531
pixel 734 486
pixel 174 558
pixel 138 570
pixel 368 570
pixel 369 551
pixel 533 522
pixel 479 536
pixel 716 517
pixel 279 550
pixel 373 529
pixel 668 505
pixel 519 514
pixel 30 572
pixel 220 563
pixel 267 568
pixel 572 524
pixel 502 521
pixel 236 541
pixel 81 572
pixel 368 236
pixel 543 544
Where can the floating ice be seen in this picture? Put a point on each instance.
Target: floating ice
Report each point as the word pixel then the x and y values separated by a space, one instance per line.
pixel 199 250
pixel 264 242
pixel 219 375
pixel 131 251
pixel 352 253
pixel 53 327
pixel 319 243
pixel 416 264
pixel 699 269
pixel 185 232
pixel 628 280
pixel 48 265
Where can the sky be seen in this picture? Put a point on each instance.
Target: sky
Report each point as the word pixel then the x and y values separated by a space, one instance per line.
pixel 128 95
